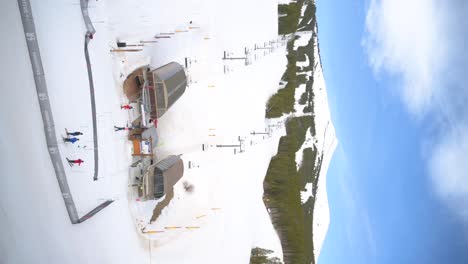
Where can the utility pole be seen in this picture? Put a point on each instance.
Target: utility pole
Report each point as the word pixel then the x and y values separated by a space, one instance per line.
pixel 264 47
pixel 259 133
pixel 125 50
pixel 228 146
pixel 226 57
pixel 149 242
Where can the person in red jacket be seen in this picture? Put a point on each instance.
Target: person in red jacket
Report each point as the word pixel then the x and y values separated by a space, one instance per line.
pixel 154 122
pixel 126 107
pixel 73 162
pixel 71 140
pixel 116 128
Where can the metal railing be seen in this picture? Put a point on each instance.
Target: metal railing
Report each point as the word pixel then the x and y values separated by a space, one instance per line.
pixel 47 117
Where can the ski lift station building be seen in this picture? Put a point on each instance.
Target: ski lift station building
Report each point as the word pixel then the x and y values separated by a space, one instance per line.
pixel 157 90
pixel 162 176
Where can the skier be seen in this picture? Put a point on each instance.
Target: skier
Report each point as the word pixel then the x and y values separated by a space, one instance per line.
pixel 77 133
pixel 126 107
pixel 116 128
pixel 73 162
pixel 71 140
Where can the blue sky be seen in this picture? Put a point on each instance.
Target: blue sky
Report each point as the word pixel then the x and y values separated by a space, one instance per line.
pixel 398 181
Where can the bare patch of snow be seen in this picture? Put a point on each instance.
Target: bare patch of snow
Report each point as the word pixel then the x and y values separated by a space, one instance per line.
pixel 303 9
pixel 303 63
pixel 308 143
pixel 307 193
pixel 303 39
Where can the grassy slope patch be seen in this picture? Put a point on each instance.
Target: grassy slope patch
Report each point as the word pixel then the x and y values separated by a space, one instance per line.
pixel 308 21
pixel 289 17
pixel 284 182
pixel 260 256
pixel 283 100
pixel 282 187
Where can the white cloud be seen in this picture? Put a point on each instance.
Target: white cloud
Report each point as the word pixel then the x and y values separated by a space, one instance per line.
pixel 402 39
pixel 449 167
pixel 421 43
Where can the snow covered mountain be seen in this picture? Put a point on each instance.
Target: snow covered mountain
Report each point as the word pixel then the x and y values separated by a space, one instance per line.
pixel 320 139
pixel 324 140
pixel 326 145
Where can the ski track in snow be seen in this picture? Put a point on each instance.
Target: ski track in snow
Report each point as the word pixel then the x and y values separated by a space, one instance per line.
pixel 303 9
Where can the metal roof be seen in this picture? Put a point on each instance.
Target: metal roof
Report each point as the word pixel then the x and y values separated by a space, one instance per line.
pixel 167 71
pixel 168 162
pixel 175 80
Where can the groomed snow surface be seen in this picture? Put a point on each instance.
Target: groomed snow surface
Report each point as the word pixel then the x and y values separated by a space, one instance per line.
pixel 226 204
pixel 34 224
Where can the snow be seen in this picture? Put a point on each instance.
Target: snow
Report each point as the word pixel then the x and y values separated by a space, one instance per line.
pixel 228 107
pixel 303 39
pixel 303 9
pixel 227 103
pixel 299 109
pixel 34 224
pixel 308 143
pixel 306 194
pixel 286 2
pixel 228 188
pixel 324 141
pixel 230 182
pixel 303 63
pixel 326 145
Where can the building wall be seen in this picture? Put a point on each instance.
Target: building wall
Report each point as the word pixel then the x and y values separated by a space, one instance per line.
pixel 173 175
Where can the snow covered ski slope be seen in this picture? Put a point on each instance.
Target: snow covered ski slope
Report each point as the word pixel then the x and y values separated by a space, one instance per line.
pixel 224 216
pixel 31 204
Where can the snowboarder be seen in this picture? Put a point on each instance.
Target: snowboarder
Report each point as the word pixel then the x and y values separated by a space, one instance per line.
pixel 126 107
pixel 77 133
pixel 73 162
pixel 71 140
pixel 116 128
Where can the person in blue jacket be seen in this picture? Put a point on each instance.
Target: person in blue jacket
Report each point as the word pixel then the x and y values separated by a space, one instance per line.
pixel 71 140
